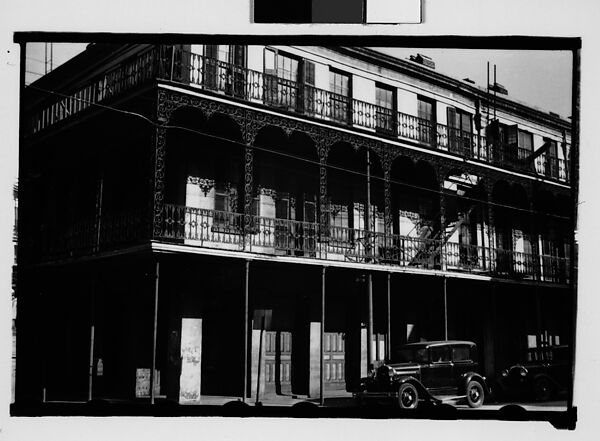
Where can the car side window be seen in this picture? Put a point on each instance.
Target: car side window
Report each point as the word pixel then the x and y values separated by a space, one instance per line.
pixel 461 353
pixel 440 354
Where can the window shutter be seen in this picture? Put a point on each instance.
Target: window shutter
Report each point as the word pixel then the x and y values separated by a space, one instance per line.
pixel 452 119
pixel 512 136
pixel 310 210
pixel 269 62
pixel 239 55
pixel 282 207
pixel 309 73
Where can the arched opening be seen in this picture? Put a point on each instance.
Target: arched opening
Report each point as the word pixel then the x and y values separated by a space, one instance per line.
pixel 286 183
pixel 204 177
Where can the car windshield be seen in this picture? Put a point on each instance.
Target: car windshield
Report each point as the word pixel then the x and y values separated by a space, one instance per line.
pixel 417 355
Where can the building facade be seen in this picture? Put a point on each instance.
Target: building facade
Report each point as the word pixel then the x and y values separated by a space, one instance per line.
pixel 240 219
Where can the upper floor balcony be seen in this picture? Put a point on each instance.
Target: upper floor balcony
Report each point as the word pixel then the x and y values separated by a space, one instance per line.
pixel 300 98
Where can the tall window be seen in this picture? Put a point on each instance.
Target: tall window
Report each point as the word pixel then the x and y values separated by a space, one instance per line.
pixel 426 123
pixel 339 85
pixel 459 131
pixel 525 149
pixel 386 108
pixel 281 79
pixel 224 68
pixel 551 162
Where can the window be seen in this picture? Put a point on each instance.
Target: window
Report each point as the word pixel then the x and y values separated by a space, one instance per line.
pixel 440 354
pixel 551 163
pixel 426 124
pixel 224 68
pixel 225 205
pixel 461 353
pixel 459 131
pixel 385 109
pixel 281 80
pixel 339 85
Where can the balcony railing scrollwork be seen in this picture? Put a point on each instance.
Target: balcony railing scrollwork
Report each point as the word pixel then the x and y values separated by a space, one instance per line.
pixel 177 65
pixel 224 230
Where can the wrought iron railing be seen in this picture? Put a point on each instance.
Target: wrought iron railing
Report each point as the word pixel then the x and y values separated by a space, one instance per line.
pixel 91 235
pixel 265 235
pixel 248 84
pixel 130 73
pixel 174 64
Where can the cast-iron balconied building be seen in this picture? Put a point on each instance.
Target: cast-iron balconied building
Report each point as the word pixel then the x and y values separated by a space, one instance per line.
pixel 209 218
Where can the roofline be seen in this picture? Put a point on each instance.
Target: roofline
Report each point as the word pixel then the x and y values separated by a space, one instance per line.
pixel 445 81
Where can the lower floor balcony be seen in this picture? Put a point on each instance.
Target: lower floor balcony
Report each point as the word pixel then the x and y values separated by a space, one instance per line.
pixel 209 228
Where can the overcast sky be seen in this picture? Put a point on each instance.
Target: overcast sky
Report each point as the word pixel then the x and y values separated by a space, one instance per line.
pixel 540 79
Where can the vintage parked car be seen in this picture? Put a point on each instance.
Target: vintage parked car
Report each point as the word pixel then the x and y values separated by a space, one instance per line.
pixel 432 371
pixel 544 376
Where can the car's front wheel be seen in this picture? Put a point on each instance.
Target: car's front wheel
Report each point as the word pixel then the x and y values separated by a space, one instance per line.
pixel 475 393
pixel 408 396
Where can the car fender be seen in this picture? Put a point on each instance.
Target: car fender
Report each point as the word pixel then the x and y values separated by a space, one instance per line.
pixel 472 376
pixel 544 376
pixel 423 392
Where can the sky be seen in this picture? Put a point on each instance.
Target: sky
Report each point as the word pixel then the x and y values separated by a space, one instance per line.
pixel 541 79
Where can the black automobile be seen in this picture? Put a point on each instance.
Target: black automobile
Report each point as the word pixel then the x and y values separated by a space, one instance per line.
pixel 432 371
pixel 545 375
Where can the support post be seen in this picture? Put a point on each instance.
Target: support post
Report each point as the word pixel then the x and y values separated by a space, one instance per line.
pixel 368 208
pixel 92 336
pixel 248 196
pixel 389 317
pixel 445 308
pixel 91 366
pixel 260 349
pixel 322 338
pixel 154 331
pixel 246 286
pixel 442 222
pixel 369 320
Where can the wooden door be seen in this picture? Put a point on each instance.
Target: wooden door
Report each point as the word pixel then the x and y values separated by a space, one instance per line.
pixel 334 360
pixel 278 363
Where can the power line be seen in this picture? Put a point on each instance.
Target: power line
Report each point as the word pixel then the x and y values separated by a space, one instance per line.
pixel 299 158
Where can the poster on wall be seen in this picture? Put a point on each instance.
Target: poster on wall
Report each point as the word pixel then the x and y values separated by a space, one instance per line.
pixel 191 350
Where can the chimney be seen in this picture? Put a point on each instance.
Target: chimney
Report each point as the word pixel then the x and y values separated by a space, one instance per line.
pixel 423 60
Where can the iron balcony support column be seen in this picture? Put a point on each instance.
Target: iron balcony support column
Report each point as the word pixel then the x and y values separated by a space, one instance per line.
pixel 248 189
pixel 389 317
pixel 442 222
pixel 368 247
pixel 387 195
pixel 158 185
pixel 323 233
pixel 445 282
pixel 246 289
pixel 154 330
pixel 322 339
pixel 369 320
pixel 92 337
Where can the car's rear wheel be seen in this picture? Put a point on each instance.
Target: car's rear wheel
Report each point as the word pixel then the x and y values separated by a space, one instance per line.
pixel 542 389
pixel 408 396
pixel 475 393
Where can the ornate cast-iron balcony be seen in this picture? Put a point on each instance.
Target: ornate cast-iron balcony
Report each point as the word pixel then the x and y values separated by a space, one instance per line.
pixel 288 96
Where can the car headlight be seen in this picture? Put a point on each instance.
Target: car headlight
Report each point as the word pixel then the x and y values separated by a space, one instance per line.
pixel 504 373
